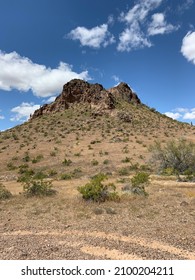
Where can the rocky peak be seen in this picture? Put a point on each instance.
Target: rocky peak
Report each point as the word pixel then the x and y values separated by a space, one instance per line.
pixel 124 92
pixel 79 91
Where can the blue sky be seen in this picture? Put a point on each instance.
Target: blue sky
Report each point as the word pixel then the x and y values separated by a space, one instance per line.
pixel 149 44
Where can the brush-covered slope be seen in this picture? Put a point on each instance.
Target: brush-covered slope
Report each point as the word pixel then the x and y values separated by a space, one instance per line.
pixel 87 130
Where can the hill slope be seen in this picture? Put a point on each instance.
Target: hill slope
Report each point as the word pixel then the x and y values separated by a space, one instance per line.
pixel 94 128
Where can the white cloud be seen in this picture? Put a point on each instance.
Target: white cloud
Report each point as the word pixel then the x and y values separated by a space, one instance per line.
pixel 23 111
pixel 140 11
pixel 138 26
pixel 172 115
pixel 188 46
pixel 132 38
pixel 182 114
pixel 159 25
pixel 189 115
pixel 51 99
pixel 21 73
pixel 95 37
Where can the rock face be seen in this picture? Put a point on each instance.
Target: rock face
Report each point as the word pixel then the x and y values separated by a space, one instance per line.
pixel 79 91
pixel 124 92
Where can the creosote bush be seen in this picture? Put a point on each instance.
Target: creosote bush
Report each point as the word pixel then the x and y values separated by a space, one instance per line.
pixel 96 191
pixel 38 188
pixel 176 156
pixel 4 193
pixel 67 162
pixel 139 182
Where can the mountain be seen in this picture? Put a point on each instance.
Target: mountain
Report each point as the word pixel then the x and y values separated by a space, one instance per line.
pixel 98 130
pixel 79 91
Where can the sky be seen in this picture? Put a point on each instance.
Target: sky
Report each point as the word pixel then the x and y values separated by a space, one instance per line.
pixel 149 44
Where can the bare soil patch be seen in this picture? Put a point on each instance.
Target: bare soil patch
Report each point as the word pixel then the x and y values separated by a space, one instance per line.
pixel 66 227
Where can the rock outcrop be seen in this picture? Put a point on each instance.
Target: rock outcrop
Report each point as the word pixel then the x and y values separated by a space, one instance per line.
pixel 124 92
pixel 79 91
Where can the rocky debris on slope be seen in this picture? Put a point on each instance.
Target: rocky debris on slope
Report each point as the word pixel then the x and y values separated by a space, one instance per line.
pixel 124 116
pixel 79 91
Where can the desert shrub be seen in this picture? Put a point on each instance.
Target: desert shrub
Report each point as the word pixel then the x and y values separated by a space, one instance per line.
pixel 139 182
pixel 175 155
pixel 38 188
pixel 76 173
pixel 4 193
pixel 37 159
pixel 96 191
pixel 106 161
pixel 25 172
pixel 66 176
pixel 127 159
pixel 40 175
pixel 11 166
pixel 124 171
pixel 23 168
pixel 67 162
pixel 168 171
pixel 52 173
pixel 26 157
pixel 94 162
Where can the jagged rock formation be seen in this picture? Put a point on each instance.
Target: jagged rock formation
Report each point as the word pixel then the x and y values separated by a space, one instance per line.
pixel 124 92
pixel 79 91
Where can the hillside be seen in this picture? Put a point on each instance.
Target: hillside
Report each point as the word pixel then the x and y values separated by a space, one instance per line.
pixel 96 128
pixel 85 131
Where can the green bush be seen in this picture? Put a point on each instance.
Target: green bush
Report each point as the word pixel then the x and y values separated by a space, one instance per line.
pixel 124 171
pixel 52 173
pixel 67 162
pixel 38 188
pixel 94 162
pixel 97 191
pixel 127 159
pixel 37 159
pixel 139 182
pixel 25 172
pixel 11 166
pixel 175 155
pixel 40 175
pixel 26 158
pixel 66 176
pixel 4 193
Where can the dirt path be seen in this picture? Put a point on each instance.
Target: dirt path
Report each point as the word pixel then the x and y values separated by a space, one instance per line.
pixel 82 242
pixel 159 227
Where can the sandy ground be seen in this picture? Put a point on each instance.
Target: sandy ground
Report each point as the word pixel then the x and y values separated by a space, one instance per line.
pixel 161 226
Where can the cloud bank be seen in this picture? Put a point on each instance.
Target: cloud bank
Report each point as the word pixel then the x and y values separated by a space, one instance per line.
pixel 140 25
pixel 22 74
pixel 185 114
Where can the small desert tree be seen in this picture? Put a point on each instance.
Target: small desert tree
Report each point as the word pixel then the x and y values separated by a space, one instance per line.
pixel 178 156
